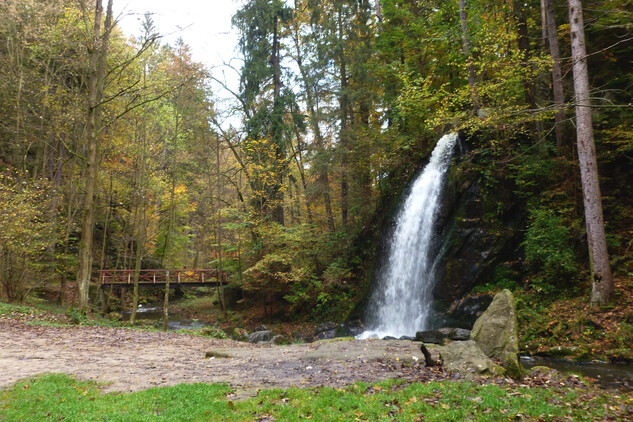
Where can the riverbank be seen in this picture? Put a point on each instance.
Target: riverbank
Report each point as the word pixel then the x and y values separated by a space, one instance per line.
pixel 571 327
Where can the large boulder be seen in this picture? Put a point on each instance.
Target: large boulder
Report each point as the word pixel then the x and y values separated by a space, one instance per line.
pixel 467 359
pixel 260 336
pixel 496 332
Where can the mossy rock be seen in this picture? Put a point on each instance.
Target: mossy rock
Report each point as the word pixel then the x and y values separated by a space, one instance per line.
pixel 217 354
pixel 541 370
pixel 466 358
pixel 496 332
pixel 571 352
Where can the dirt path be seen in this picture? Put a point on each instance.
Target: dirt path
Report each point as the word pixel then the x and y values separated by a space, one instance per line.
pixel 130 360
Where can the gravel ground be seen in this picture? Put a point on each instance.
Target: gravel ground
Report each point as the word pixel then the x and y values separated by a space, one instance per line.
pixel 130 360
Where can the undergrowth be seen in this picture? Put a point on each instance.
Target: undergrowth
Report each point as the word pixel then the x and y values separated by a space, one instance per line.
pixel 604 333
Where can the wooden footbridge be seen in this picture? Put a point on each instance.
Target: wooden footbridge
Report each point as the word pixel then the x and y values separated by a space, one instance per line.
pixel 158 278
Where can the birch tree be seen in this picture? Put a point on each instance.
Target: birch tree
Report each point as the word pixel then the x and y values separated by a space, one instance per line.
pixel 602 287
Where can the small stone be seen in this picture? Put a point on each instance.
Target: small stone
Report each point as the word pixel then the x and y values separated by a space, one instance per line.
pixel 216 354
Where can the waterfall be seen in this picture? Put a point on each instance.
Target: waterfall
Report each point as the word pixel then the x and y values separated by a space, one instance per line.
pixel 401 304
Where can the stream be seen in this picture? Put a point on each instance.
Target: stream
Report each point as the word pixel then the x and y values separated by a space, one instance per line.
pixel 609 375
pixel 149 314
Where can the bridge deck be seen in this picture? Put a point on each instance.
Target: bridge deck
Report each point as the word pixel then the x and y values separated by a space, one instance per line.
pixel 158 278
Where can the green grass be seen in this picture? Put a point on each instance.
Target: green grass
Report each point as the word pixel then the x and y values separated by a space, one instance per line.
pixel 58 397
pixel 50 315
pixel 10 310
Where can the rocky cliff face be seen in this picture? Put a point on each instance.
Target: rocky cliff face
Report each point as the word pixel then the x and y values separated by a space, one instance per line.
pixel 479 227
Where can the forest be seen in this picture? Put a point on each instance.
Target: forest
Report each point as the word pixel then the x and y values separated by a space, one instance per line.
pixel 128 153
pixel 113 154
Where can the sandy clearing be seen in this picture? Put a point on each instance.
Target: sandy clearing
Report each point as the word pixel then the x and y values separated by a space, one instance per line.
pixel 131 360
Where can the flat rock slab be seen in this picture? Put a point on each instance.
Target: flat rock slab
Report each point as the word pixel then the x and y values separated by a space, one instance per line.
pixel 132 360
pixel 365 350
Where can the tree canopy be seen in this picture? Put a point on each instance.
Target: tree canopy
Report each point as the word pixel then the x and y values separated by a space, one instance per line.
pixel 112 154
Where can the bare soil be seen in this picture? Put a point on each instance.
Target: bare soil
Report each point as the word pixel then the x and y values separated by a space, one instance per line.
pixel 130 360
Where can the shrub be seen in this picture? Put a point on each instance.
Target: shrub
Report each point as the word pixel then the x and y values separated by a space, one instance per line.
pixel 27 235
pixel 549 254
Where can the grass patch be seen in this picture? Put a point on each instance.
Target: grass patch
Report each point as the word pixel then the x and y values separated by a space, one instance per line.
pixel 57 397
pixel 51 315
pixel 10 310
pixel 47 315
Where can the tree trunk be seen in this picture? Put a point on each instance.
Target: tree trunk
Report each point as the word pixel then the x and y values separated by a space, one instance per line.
pixel 219 232
pixel 472 83
pixel 137 273
pixel 557 78
pixel 322 170
pixel 105 227
pixel 166 302
pixel 343 141
pixel 140 222
pixel 602 288
pixel 378 11
pixel 96 78
pixel 277 118
pixel 301 168
pixel 61 300
pixel 543 23
pixel 529 85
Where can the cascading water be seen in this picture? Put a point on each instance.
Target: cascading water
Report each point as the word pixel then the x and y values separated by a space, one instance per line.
pixel 401 304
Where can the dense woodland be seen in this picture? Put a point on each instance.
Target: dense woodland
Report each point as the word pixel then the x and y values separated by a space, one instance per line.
pixel 112 154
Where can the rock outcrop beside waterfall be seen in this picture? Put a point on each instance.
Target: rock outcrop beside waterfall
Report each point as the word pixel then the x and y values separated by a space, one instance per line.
pixel 480 227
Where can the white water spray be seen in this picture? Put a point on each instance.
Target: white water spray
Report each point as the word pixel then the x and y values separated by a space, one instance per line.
pixel 402 302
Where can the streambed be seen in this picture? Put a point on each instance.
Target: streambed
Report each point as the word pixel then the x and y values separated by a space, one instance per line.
pixel 152 314
pixel 608 375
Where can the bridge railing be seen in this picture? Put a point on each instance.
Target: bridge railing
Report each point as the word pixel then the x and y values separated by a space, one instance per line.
pixel 160 276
